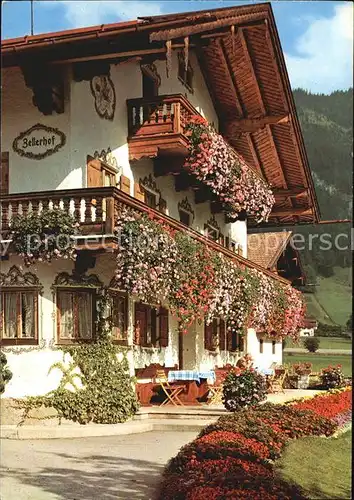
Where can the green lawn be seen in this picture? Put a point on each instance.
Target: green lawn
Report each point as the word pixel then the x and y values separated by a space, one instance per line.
pixel 325 343
pixel 320 361
pixel 332 300
pixel 321 466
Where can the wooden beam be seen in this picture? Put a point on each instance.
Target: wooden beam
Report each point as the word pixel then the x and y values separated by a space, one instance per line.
pixel 240 107
pixel 203 68
pixel 255 156
pixel 250 125
pixel 288 212
pixel 295 192
pixel 251 68
pixel 170 34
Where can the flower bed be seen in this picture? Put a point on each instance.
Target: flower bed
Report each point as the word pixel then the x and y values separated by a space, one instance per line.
pixel 220 167
pixel 233 458
pixel 158 264
pixel 331 405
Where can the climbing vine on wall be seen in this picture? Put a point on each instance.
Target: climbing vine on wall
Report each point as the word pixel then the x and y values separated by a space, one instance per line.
pixel 96 385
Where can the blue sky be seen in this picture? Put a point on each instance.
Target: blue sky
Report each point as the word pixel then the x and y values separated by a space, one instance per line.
pixel 316 36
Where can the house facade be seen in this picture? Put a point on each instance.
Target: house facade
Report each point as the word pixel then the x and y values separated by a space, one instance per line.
pixel 95 122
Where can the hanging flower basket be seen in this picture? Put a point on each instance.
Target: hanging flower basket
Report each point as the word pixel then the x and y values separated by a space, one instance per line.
pixel 214 162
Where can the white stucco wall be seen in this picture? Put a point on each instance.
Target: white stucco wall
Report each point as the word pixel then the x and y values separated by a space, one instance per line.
pixel 265 359
pixel 18 114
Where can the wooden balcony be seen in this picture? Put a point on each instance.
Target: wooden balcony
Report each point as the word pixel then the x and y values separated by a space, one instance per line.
pixel 156 126
pixel 95 210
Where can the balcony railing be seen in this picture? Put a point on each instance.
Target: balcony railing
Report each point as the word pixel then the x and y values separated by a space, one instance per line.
pixel 157 125
pixel 96 209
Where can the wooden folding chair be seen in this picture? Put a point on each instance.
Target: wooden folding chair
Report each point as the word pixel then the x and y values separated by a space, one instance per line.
pixel 276 383
pixel 216 390
pixel 216 395
pixel 172 391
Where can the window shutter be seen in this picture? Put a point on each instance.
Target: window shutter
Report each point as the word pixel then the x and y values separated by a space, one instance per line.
pixel 162 205
pixel 140 324
pixel 222 335
pixel 125 184
pixel 94 172
pixel 241 343
pixel 229 335
pixel 208 333
pixel 4 173
pixel 163 320
pixel 138 192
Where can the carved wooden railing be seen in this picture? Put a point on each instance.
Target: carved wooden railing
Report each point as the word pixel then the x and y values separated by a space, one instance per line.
pixel 166 114
pixel 92 208
pixel 96 209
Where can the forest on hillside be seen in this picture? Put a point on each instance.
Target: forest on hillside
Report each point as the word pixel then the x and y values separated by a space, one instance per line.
pixel 327 127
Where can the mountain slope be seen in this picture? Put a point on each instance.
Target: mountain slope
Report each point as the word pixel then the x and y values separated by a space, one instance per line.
pixel 326 122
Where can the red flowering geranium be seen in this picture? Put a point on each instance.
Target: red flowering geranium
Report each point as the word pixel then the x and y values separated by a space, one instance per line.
pixel 329 405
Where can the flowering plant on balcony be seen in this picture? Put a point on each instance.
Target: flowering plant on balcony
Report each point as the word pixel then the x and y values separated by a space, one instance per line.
pixel 192 281
pixel 157 264
pixel 146 258
pixel 43 236
pixel 215 163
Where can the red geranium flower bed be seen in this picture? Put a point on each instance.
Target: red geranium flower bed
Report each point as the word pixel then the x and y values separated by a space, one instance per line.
pixel 232 458
pixel 328 406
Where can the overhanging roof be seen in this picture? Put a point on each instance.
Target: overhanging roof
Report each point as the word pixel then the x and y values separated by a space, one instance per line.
pixel 241 58
pixel 265 248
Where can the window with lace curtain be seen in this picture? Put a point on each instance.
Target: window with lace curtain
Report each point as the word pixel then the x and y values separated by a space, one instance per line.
pixel 19 316
pixel 75 314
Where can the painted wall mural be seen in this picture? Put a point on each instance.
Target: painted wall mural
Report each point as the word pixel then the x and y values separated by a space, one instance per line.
pixel 38 142
pixel 102 89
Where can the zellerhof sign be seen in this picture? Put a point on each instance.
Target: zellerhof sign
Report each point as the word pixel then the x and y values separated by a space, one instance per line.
pixel 39 141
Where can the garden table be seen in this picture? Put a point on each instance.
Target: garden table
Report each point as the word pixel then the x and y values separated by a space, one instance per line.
pixel 194 382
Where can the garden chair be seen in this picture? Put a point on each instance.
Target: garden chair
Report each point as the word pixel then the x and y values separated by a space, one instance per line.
pixel 276 382
pixel 171 391
pixel 216 390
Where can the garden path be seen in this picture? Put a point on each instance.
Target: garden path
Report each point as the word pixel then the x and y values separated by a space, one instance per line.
pixel 118 467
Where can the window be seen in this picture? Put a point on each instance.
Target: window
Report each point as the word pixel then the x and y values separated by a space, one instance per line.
pixel 19 316
pixel 150 198
pixel 261 346
pixel 151 325
pixel 185 217
pixel 4 173
pixel 215 335
pixel 211 232
pixel 120 316
pixel 99 174
pixel 185 76
pixel 75 314
pixel 273 347
pixel 235 341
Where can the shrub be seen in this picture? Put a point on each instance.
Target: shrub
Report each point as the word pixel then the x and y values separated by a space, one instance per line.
pixel 243 388
pixel 312 343
pixel 248 423
pixel 332 377
pixel 44 236
pixel 5 373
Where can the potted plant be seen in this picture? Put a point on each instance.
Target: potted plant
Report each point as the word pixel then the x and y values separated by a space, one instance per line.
pixel 301 375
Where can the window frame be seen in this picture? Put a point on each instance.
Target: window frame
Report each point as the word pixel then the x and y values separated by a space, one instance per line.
pixel 150 338
pixel 185 76
pixel 19 340
pixel 185 213
pixel 72 289
pixel 123 295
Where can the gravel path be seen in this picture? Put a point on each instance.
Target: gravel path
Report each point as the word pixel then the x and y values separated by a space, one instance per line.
pixel 105 468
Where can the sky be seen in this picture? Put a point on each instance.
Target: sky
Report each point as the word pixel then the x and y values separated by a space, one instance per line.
pixel 316 36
